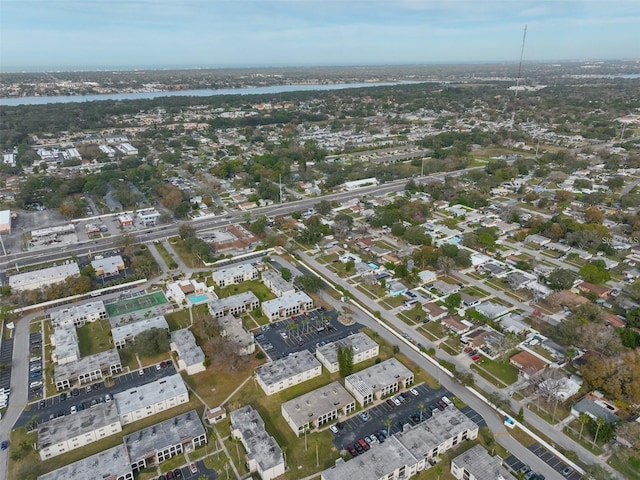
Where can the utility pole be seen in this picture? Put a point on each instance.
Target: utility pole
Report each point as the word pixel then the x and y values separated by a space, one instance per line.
pixel 280 184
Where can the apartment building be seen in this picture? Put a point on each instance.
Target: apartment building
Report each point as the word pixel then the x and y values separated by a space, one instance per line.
pixel 378 380
pixel 65 343
pixel 287 306
pixel 264 455
pixel 129 331
pixel 316 408
pixel 145 400
pixel 278 285
pixel 233 305
pixel 44 277
pixel 234 275
pixel 70 432
pixel 111 464
pixel 477 464
pixel 288 371
pixel 233 329
pixel 87 369
pixel 362 347
pixel 78 314
pixel 190 355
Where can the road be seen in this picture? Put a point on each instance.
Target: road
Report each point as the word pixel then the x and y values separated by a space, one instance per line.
pixel 494 422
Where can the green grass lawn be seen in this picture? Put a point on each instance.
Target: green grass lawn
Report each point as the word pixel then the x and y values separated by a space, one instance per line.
pixel 166 256
pixel 501 369
pixel 185 255
pixel 435 329
pixel 255 286
pixel 94 337
pixel 627 462
pixel 178 320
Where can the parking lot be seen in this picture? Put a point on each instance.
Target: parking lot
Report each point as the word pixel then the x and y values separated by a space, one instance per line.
pixel 554 462
pixel 202 471
pixel 86 396
pixel 6 356
pixel 308 331
pixel 408 412
pixel 35 365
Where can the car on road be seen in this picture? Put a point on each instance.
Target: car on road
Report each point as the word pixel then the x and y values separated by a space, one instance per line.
pixel 4 445
pixel 334 429
pixel 567 471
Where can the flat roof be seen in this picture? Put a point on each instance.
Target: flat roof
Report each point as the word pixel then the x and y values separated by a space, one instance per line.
pixel 234 270
pixel 188 349
pixel 70 426
pixel 287 367
pixel 90 363
pixel 150 393
pixel 45 275
pixel 66 340
pixel 77 310
pixel 134 328
pixel 359 342
pixel 480 464
pixel 286 301
pixel 378 375
pixel 108 264
pixel 221 304
pixel 106 465
pixel 306 408
pixel 235 331
pixel 275 278
pixel 146 442
pixel 260 446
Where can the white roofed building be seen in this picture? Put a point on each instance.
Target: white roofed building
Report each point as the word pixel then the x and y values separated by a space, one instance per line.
pixel 287 306
pixel 44 277
pixel 378 380
pixel 234 275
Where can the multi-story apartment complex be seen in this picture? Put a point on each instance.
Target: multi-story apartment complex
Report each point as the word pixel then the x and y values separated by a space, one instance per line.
pixel 190 355
pixel 362 348
pixel 87 369
pixel 78 315
pixel 233 305
pixel 288 371
pixel 234 275
pixel 111 464
pixel 378 380
pixel 287 306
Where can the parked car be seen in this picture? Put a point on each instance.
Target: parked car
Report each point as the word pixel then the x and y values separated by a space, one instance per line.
pixel 475 358
pixel 567 471
pixel 447 401
pixel 364 444
pixel 396 401
pixel 141 372
pixel 441 404
pixel 334 429
pixel 178 473
pixel 358 448
pixel 364 416
pixel 415 392
pixel 74 409
pixel 352 450
pixel 4 445
pixel 390 402
pixel 194 468
pixel 170 475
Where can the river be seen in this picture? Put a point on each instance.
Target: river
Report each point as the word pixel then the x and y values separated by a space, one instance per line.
pixel 12 102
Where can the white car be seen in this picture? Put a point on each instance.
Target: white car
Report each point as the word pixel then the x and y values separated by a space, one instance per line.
pixel 334 429
pixel 74 409
pixel 415 392
pixel 447 401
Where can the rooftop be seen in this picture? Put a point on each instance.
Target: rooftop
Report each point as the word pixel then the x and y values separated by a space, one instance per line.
pixel 233 301
pixel 142 396
pixel 276 280
pixel 260 446
pixel 286 301
pixel 148 441
pixel 77 311
pixel 108 464
pixel 90 363
pixel 306 408
pixel 44 275
pixel 230 272
pixel 66 340
pixel 379 375
pixel 481 465
pixel 132 329
pixel 287 367
pixel 359 342
pixel 188 350
pixel 235 331
pixel 70 426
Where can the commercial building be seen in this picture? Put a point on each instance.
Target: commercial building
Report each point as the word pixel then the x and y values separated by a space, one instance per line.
pixel 233 329
pixel 67 433
pixel 233 305
pixel 153 445
pixel 355 184
pixel 190 355
pixel 87 369
pixel 127 149
pixel 108 266
pixel 49 234
pixel 151 398
pixel 287 306
pixel 128 332
pixel 316 408
pixel 477 464
pixel 405 454
pixel 5 221
pixel 234 275
pixel 44 277
pixel 264 455
pixel 288 371
pixel 362 348
pixel 278 285
pixel 65 343
pixel 378 380
pixel 125 220
pixel 179 291
pixel 111 464
pixel 148 218
pixel 78 314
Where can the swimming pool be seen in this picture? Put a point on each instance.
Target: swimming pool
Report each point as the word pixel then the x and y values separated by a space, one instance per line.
pixel 198 298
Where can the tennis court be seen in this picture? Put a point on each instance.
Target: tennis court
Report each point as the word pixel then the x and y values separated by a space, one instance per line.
pixel 136 303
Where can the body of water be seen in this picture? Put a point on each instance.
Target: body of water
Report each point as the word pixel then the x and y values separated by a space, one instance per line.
pixel 12 102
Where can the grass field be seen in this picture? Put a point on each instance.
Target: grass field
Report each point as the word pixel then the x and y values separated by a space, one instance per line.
pixel 256 286
pixel 135 303
pixel 501 369
pixel 94 337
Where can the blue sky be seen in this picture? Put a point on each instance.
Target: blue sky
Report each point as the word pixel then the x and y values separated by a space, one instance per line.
pixel 143 33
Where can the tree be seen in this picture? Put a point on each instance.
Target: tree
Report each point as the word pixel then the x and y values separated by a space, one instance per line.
pixel 446 264
pixel 186 231
pixel 561 279
pixel 309 282
pixel 583 418
pixel 388 423
pixel 323 207
pixel 286 274
pixel 152 342
pixel 345 361
pixel 630 433
pixel 453 301
pixel 593 215
pixel 594 273
pixel 597 472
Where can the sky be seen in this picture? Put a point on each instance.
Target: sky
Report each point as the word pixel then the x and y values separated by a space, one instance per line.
pixel 68 34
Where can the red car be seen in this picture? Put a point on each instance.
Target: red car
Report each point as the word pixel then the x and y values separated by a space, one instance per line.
pixel 364 444
pixel 475 358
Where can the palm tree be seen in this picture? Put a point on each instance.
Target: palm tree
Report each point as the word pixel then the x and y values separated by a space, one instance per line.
pixel 421 408
pixel 438 470
pixel 599 422
pixel 583 418
pixel 388 423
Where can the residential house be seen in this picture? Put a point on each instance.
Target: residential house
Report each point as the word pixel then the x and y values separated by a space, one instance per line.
pixel 528 364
